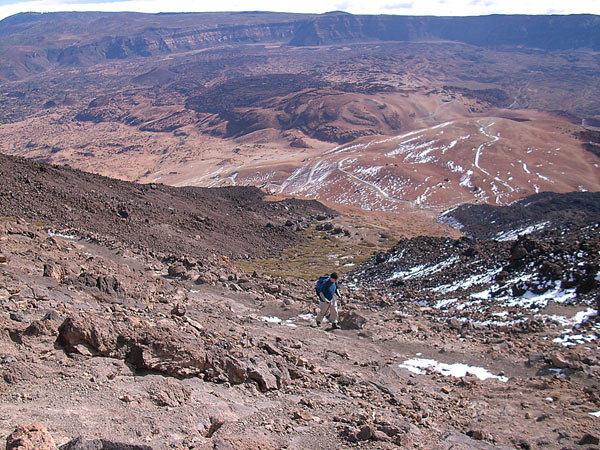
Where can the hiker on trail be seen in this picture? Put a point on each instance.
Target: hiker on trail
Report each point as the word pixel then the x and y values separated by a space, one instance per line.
pixel 327 289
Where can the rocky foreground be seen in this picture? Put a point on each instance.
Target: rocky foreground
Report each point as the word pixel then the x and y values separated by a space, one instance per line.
pixel 108 348
pixel 115 346
pixel 152 343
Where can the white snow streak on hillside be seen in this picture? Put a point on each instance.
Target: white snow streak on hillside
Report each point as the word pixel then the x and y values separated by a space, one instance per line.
pixel 466 283
pixel 64 236
pixel 259 178
pixel 369 171
pixel 409 149
pixel 457 370
pixel 452 144
pixel 465 179
pixel 539 175
pixel 513 235
pixel 307 179
pixel 368 183
pixel 525 169
pixel 422 270
pixel 297 178
pixel 457 168
pixel 484 130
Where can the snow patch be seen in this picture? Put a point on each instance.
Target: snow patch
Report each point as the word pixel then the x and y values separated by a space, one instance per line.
pixel 307 316
pixel 455 167
pixel 530 299
pixel 64 236
pixel 423 270
pixel 583 316
pixel 574 339
pixel 544 178
pixel 458 370
pixel 372 171
pixel 513 235
pixel 271 319
pixel 479 278
pixel 465 179
pixel 568 339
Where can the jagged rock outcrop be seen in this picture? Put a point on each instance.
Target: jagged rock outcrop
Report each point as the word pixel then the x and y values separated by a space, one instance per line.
pixel 166 348
pixel 147 347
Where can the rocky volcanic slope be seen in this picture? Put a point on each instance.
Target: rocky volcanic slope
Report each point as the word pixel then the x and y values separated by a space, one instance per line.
pixel 533 213
pixel 116 347
pixel 513 283
pixel 157 218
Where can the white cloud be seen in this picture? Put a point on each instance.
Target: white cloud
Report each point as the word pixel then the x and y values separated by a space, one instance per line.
pixel 421 7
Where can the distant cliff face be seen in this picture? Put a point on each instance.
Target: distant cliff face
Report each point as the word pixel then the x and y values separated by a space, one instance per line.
pixel 543 32
pixel 31 43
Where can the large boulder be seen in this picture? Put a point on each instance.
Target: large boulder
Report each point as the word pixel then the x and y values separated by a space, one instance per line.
pixel 177 270
pixel 109 285
pixel 263 376
pixel 106 284
pixel 237 371
pixel 54 271
pixel 30 437
pixel 162 348
pixel 352 321
pixel 84 331
pixel 206 278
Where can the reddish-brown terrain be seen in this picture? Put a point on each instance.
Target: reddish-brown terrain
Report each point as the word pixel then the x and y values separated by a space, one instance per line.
pixel 223 99
pixel 179 313
pixel 166 343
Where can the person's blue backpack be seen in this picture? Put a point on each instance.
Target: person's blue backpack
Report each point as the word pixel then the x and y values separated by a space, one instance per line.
pixel 321 283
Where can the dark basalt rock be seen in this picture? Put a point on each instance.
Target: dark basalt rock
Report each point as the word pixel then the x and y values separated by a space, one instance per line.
pixel 81 443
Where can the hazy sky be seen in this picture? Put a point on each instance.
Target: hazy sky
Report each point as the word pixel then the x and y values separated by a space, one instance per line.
pixel 402 7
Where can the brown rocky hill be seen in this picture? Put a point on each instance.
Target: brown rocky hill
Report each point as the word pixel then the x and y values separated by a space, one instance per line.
pixel 156 218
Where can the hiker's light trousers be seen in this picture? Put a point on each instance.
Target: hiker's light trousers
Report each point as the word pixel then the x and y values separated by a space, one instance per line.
pixel 329 308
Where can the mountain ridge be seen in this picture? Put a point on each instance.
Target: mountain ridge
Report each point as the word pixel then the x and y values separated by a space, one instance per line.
pixel 151 34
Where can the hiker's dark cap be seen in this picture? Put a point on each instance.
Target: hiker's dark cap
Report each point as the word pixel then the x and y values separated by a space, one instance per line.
pixel 334 276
